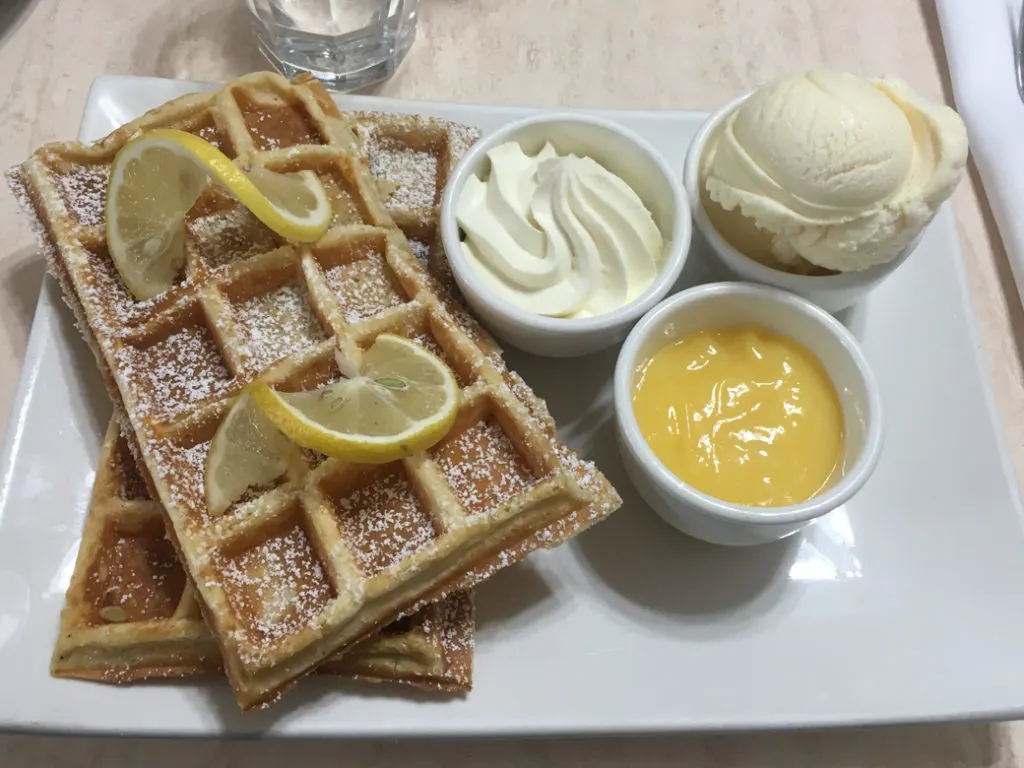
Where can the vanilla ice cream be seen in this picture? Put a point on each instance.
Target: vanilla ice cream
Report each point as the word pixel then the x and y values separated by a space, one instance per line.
pixel 830 171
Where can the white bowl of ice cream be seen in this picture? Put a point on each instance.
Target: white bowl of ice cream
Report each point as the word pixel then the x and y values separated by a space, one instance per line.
pixel 822 183
pixel 562 231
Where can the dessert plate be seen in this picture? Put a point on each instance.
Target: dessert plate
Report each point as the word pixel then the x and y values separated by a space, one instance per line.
pixel 902 606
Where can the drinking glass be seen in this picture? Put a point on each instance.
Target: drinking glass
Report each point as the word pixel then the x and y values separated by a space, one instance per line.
pixel 346 44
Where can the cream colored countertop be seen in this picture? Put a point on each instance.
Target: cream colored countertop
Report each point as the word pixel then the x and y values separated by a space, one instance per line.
pixel 659 53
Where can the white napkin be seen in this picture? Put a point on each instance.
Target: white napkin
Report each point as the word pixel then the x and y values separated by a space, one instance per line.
pixel 979 39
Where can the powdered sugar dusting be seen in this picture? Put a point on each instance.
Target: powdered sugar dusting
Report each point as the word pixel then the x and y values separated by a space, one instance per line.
pixel 483 467
pixel 536 407
pixel 177 372
pixel 421 251
pixel 277 587
pixel 426 340
pixel 365 287
pixel 231 235
pixel 209 133
pixel 84 189
pixel 455 627
pixel 278 126
pixel 590 479
pixel 136 577
pixel 412 172
pixel 16 183
pixel 480 337
pixel 384 521
pixel 183 471
pixel 460 138
pixel 605 501
pixel 278 323
pixel 348 208
pixel 110 297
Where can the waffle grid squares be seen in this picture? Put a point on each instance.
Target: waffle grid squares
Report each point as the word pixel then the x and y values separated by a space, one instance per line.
pixel 173 410
pixel 127 571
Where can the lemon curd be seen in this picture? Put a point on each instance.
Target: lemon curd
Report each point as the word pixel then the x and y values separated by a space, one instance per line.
pixel 742 414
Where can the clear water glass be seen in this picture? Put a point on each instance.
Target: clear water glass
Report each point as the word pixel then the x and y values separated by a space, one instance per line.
pixel 346 44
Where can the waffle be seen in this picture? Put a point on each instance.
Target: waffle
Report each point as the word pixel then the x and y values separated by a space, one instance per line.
pixel 411 157
pixel 130 613
pixel 348 548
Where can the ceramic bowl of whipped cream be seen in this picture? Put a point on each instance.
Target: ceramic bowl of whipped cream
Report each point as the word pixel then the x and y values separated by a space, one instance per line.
pixel 562 231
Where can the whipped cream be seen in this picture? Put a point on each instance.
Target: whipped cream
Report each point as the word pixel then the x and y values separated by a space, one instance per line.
pixel 558 235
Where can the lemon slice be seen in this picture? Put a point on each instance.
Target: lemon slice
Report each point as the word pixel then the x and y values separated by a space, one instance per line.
pixel 157 177
pixel 404 401
pixel 247 451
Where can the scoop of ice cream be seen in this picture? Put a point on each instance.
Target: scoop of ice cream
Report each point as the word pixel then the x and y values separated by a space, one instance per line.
pixel 822 145
pixel 833 169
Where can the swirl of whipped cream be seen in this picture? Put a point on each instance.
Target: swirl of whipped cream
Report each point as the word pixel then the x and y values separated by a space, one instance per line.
pixel 558 235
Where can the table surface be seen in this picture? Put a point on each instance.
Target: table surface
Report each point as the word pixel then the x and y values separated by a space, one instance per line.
pixel 674 54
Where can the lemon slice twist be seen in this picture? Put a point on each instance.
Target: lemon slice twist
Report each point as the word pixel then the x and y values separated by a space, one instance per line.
pixel 158 176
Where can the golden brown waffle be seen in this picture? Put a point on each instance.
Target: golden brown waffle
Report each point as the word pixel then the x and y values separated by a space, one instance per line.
pixel 348 548
pixel 130 613
pixel 411 158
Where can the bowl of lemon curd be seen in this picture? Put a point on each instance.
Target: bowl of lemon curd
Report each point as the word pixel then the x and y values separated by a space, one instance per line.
pixel 745 412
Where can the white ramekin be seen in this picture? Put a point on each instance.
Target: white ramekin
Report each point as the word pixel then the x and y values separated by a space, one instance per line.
pixel 831 292
pixel 719 305
pixel 623 153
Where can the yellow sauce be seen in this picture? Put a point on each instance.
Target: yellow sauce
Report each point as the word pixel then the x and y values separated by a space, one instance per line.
pixel 742 414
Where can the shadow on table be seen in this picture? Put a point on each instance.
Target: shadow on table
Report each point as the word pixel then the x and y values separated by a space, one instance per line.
pixel 936 746
pixel 21 277
pixel 173 39
pixel 513 596
pixel 12 14
pixel 218 700
pixel 670 580
pixel 79 363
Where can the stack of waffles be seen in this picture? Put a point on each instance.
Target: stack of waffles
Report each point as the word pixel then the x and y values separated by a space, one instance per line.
pixel 131 614
pixel 310 573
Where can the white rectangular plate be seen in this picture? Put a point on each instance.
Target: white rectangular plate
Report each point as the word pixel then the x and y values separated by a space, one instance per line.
pixel 904 606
